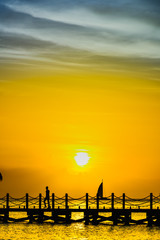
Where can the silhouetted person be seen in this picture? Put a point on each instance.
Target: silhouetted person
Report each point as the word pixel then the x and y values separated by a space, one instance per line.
pixel 47 197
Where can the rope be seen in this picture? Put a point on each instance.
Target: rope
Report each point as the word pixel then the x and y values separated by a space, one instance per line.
pixel 83 197
pixel 18 199
pixel 81 201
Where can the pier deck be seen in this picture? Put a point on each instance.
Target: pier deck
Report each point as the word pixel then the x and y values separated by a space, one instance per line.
pixel 111 210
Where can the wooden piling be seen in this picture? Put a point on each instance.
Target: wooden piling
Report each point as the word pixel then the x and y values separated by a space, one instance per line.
pixel 55 217
pixel 66 200
pixel 30 216
pixel 53 206
pixel 68 215
pixel 123 200
pixel 6 216
pixel 27 201
pixel 86 201
pixel 158 217
pixel 149 213
pixel 151 200
pixel 53 201
pixel 149 218
pixel 7 201
pixel 86 214
pixel 97 202
pixel 95 216
pixel 127 218
pixel 40 200
pixel 112 201
pixel 40 216
pixel 114 217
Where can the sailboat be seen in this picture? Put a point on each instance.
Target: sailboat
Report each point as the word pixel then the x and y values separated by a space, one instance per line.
pixel 100 192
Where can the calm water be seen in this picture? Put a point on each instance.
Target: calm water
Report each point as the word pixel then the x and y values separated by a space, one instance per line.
pixel 49 231
pixel 77 231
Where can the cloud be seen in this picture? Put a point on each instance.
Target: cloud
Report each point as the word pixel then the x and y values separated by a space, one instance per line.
pixel 57 29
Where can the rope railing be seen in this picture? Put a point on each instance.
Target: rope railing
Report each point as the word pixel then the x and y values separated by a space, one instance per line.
pixel 66 201
pixel 138 199
pixel 2 201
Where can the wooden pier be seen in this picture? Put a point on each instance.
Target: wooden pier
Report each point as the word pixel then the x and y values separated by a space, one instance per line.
pixel 110 210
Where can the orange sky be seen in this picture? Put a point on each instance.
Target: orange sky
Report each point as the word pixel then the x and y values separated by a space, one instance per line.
pixel 45 121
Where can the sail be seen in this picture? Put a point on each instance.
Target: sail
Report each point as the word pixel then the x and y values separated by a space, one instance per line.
pixel 100 190
pixel 1 178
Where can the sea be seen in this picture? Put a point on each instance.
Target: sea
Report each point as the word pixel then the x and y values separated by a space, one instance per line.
pixel 49 231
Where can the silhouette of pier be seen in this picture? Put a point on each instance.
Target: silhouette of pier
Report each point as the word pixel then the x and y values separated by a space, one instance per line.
pixel 110 210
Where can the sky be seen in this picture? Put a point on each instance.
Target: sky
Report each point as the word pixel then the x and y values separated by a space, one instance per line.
pixel 79 76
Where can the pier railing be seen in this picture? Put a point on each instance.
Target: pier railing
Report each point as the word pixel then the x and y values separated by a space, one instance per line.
pixel 85 202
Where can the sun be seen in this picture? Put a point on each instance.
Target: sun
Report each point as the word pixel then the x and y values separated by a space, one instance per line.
pixel 82 158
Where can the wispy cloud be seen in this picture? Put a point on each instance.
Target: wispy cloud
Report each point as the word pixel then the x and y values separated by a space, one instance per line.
pixel 126 29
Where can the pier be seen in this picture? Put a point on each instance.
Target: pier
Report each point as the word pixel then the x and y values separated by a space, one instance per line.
pixel 94 210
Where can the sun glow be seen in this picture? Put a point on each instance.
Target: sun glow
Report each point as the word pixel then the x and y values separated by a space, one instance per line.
pixel 82 158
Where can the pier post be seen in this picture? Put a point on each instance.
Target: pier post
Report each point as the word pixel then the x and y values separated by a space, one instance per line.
pixel 53 214
pixel 66 200
pixel 52 201
pixel 97 202
pixel 151 201
pixel 40 212
pixel 27 201
pixel 40 216
pixel 40 200
pixel 7 201
pixel 86 214
pixel 114 217
pixel 68 215
pixel 112 201
pixel 149 213
pixel 86 201
pixel 6 216
pixel 123 200
pixel 158 217
pixel 149 218
pixel 95 214
pixel 30 217
pixel 127 218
